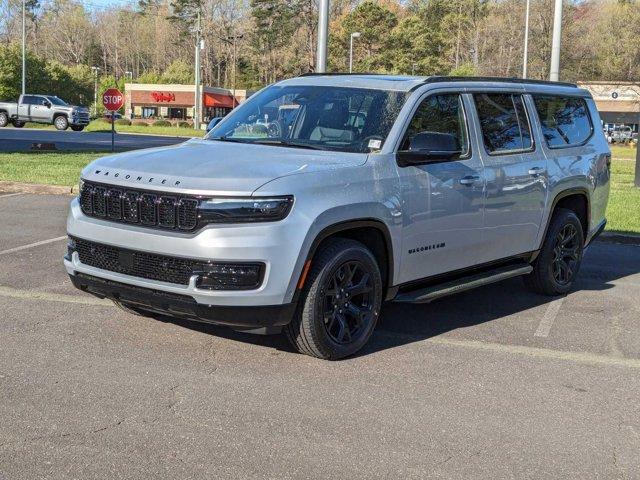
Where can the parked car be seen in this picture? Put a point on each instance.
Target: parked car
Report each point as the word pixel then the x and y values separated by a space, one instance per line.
pixel 112 116
pixel 400 189
pixel 620 134
pixel 47 109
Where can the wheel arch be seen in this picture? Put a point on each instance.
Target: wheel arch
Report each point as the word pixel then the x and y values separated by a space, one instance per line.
pixel 371 232
pixel 575 199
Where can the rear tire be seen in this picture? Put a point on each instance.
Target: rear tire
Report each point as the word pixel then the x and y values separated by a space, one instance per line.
pixel 61 122
pixel 558 263
pixel 340 302
pixel 4 119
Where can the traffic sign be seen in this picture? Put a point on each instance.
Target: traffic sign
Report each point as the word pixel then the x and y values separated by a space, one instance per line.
pixel 112 99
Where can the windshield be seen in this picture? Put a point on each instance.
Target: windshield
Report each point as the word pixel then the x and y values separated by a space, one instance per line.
pixel 323 118
pixel 56 101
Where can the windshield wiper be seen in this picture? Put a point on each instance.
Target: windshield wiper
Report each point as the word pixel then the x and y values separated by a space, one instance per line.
pixel 288 143
pixel 228 139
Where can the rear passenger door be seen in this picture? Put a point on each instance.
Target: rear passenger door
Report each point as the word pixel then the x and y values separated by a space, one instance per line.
pixel 515 172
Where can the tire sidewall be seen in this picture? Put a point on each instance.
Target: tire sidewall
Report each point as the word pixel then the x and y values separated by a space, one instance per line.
pixel 4 119
pixel 545 259
pixel 312 311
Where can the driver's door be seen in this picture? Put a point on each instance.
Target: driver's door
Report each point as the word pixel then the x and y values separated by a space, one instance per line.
pixel 443 202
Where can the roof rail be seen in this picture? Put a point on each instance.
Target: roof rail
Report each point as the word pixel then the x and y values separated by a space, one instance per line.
pixel 448 78
pixel 526 81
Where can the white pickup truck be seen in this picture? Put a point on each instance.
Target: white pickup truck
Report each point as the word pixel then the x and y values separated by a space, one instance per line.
pixel 47 109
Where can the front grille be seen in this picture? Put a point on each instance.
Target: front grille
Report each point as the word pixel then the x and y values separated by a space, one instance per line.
pixel 138 264
pixel 150 209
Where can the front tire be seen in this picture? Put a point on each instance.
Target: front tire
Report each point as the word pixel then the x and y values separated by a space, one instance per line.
pixel 61 123
pixel 4 119
pixel 340 302
pixel 558 263
pixel 77 128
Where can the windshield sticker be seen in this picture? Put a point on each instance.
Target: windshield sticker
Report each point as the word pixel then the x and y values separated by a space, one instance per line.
pixel 375 143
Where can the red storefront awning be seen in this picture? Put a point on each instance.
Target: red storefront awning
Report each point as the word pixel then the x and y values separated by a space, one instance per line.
pixel 219 100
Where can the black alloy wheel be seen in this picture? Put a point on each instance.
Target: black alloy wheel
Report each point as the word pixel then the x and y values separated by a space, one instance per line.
pixel 566 255
pixel 348 302
pixel 557 265
pixel 339 303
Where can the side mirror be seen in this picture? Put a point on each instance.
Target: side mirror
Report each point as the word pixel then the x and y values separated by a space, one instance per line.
pixel 213 123
pixel 47 104
pixel 429 147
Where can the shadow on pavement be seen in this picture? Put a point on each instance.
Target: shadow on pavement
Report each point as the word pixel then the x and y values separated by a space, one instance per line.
pixel 401 324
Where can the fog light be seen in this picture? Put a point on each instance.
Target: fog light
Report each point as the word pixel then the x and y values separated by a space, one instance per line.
pixel 227 276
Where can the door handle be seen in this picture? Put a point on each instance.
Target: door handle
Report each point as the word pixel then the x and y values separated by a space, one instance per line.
pixel 536 170
pixel 469 180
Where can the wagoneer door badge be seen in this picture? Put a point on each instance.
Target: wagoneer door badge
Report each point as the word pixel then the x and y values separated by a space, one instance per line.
pixel 138 178
pixel 425 248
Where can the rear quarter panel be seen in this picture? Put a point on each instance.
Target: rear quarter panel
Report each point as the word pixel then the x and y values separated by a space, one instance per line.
pixel 583 167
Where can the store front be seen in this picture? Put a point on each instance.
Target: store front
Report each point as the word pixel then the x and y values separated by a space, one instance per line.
pixel 617 102
pixel 149 102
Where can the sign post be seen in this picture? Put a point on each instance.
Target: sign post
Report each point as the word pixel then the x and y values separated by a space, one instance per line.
pixel 113 100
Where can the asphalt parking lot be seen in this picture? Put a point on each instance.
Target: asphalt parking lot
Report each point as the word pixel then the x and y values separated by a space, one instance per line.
pixel 493 383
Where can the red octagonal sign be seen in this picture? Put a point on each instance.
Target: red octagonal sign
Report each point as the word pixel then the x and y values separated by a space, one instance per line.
pixel 112 99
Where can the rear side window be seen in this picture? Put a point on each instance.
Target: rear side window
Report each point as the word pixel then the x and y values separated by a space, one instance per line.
pixel 504 123
pixel 565 120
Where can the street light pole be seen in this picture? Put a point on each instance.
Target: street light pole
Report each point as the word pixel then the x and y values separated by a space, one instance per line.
pixel 323 35
pixel 24 46
pixel 353 35
pixel 196 109
pixel 554 74
pixel 525 56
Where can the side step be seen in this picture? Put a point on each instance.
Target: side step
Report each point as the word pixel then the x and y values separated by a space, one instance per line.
pixel 428 294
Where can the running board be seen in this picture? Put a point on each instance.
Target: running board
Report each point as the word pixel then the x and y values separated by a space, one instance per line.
pixel 428 294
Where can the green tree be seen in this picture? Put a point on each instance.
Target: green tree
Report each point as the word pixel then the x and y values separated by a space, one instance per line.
pixel 178 72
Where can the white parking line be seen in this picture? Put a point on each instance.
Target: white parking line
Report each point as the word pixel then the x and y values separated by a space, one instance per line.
pixel 31 245
pixel 5 195
pixel 53 297
pixel 549 317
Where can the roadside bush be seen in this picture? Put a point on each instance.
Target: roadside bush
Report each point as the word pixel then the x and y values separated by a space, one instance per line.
pixel 139 123
pixel 123 121
pixel 184 125
pixel 162 123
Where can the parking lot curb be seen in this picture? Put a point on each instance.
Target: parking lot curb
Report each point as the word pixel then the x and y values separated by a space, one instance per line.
pixel 38 189
pixel 623 238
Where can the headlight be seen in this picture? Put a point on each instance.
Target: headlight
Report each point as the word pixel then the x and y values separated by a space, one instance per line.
pixel 242 210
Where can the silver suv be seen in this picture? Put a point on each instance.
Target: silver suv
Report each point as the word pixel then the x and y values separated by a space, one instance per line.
pixel 371 188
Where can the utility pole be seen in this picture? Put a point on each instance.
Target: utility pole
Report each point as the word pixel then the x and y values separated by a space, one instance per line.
pixel 323 35
pixel 95 71
pixel 554 74
pixel 24 46
pixel 196 110
pixel 637 180
pixel 525 57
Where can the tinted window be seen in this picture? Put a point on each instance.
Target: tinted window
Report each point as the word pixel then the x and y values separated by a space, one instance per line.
pixel 440 114
pixel 565 120
pixel 28 100
pixel 504 122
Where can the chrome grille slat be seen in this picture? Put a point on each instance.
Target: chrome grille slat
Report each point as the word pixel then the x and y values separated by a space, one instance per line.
pixel 149 209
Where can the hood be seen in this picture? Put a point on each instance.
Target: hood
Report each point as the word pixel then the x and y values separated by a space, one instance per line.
pixel 211 167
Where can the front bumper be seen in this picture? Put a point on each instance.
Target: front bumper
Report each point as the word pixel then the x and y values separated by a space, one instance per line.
pixel 182 306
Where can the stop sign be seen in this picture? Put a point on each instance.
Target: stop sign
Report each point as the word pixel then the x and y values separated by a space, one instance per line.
pixel 112 99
